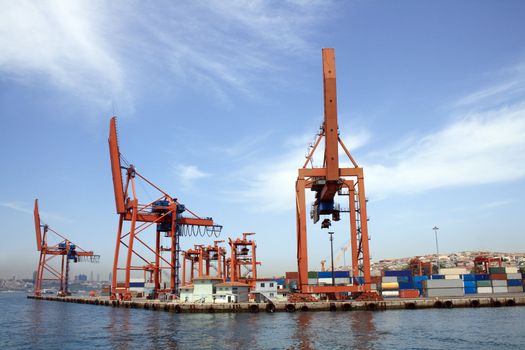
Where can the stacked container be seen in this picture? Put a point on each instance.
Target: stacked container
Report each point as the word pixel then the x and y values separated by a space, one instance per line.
pixel 443 288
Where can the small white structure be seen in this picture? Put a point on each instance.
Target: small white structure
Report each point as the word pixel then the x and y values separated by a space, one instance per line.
pixel 231 292
pixel 265 290
pixel 186 293
pixel 203 289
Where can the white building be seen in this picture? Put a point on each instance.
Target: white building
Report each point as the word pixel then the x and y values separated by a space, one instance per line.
pixel 231 292
pixel 203 289
pixel 265 290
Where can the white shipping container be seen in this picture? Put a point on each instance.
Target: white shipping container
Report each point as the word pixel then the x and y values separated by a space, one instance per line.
pixel 390 293
pixel 499 283
pixel 312 281
pixel 513 276
pixel 444 292
pixel 325 280
pixel 443 284
pixel 511 269
pixel 452 277
pixel 453 271
pixel 342 280
pixel 388 279
pixel 515 289
pixel 500 289
pixel 484 290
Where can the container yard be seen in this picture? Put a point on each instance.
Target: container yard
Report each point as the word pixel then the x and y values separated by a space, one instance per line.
pixel 153 268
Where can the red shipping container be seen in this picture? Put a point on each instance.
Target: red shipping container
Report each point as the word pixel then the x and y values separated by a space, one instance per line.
pixel 375 279
pixel 409 293
pixel 498 276
pixel 292 275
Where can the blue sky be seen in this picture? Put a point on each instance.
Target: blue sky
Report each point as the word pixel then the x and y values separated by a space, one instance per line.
pixel 217 103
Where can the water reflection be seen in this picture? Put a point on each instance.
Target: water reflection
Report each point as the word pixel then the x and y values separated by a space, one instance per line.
pixel 363 329
pixel 304 332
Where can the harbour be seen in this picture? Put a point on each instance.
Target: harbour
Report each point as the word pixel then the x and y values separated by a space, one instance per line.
pixel 507 300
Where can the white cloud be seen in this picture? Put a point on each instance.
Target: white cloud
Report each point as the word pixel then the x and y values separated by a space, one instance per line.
pixel 24 208
pixel 187 174
pixel 62 42
pixel 480 148
pixel 101 51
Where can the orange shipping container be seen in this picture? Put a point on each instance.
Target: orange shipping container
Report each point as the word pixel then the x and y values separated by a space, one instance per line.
pixel 292 275
pixel 409 293
pixel 498 276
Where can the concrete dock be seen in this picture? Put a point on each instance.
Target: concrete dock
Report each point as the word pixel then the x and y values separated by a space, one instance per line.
pixel 493 300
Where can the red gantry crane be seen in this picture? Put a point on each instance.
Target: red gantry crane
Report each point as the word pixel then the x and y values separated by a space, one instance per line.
pixel 327 182
pixel 243 260
pixel 64 248
pixel 204 259
pixel 165 214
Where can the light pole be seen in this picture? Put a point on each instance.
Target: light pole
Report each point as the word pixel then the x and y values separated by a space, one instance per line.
pixel 435 228
pixel 332 255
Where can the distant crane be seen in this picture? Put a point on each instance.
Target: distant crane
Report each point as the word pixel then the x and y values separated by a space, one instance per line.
pixel 64 248
pixel 165 212
pixel 243 263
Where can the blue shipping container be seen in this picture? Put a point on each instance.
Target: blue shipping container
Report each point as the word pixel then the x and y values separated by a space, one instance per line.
pixel 359 280
pixel 404 279
pixel 469 277
pixel 405 286
pixel 469 284
pixel 324 274
pixel 342 274
pixel 470 290
pixel 398 273
pixel 513 283
pixel 420 278
pixel 437 277
pixel 482 277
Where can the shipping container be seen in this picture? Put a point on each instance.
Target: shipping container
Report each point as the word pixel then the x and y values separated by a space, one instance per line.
pixel 390 294
pixel 409 293
pixel 452 277
pixel 312 274
pixel 387 279
pixel 398 273
pixel 406 286
pixel 470 290
pixel 325 280
pixel 500 289
pixel 496 270
pixel 437 277
pixel 499 283
pixel 453 271
pixel 514 276
pixel 312 281
pixel 443 284
pixel 469 284
pixel 484 290
pixel 514 283
pixel 511 269
pixel 515 289
pixel 483 284
pixel 325 274
pixel 482 277
pixel 342 274
pixel 292 275
pixel 342 280
pixel 389 285
pixel 469 277
pixel 498 276
pixel 444 292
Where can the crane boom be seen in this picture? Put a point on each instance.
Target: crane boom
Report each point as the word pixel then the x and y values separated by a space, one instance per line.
pixel 37 226
pixel 115 167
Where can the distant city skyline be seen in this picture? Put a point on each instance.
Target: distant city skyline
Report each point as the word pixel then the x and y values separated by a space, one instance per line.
pixel 217 103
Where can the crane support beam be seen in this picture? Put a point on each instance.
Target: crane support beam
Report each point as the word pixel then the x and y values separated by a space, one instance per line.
pixel 330 116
